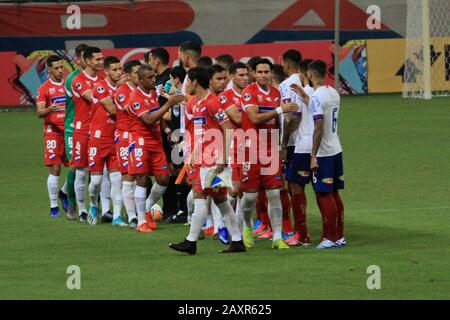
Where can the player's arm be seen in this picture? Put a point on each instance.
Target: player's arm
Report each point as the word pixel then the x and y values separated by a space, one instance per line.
pixel 42 111
pixel 261 118
pixel 87 96
pixel 150 118
pixel 233 113
pixel 109 106
pixel 318 130
pixel 228 135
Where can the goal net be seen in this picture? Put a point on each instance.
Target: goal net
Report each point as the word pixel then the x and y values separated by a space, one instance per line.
pixel 427 43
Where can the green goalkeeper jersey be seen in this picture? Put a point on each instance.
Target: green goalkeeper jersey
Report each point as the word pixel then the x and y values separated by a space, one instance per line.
pixel 70 106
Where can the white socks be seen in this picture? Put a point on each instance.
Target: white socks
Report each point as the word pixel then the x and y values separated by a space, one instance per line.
pixel 116 192
pixel 156 193
pixel 94 189
pixel 190 205
pixel 198 218
pixel 128 198
pixel 248 203
pixel 217 217
pixel 240 215
pixel 230 220
pixel 64 187
pixel 275 211
pixel 80 189
pixel 140 195
pixel 52 186
pixel 105 193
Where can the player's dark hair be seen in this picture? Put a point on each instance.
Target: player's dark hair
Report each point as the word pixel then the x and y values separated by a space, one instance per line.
pixel 237 65
pixel 304 65
pixel 160 53
pixel 226 60
pixel 263 61
pixel 251 62
pixel 292 56
pixel 129 65
pixel 278 73
pixel 201 75
pixel 143 69
pixel 191 46
pixel 89 52
pixel 52 59
pixel 205 62
pixel 79 49
pixel 178 73
pixel 110 60
pixel 319 67
pixel 217 68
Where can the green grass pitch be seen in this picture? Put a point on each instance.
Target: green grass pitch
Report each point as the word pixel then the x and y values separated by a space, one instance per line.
pixel 397 201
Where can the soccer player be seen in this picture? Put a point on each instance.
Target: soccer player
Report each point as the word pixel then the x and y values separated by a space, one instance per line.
pixel 82 86
pixel 208 118
pixel 50 103
pixel 68 127
pixel 101 141
pixel 226 60
pixel 146 151
pixel 231 103
pixel 326 155
pixel 218 79
pixel 301 127
pixel 205 62
pixel 122 140
pixel 261 103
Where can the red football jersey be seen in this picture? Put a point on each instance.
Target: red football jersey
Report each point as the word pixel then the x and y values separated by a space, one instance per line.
pixel 52 92
pixel 140 103
pixel 122 97
pixel 229 98
pixel 188 127
pixel 265 101
pixel 82 118
pixel 208 115
pixel 102 123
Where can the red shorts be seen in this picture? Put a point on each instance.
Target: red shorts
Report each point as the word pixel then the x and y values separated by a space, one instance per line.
pixel 121 143
pixel 54 149
pixel 259 176
pixel 99 154
pixel 145 161
pixel 196 184
pixel 236 172
pixel 80 144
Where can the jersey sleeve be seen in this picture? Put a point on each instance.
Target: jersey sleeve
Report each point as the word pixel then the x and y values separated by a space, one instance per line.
pixel 99 92
pixel 79 87
pixel 316 108
pixel 225 102
pixel 249 99
pixel 285 92
pixel 41 95
pixel 216 111
pixel 120 100
pixel 138 107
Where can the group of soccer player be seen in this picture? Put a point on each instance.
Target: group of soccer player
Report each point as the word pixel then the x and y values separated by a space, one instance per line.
pixel 273 126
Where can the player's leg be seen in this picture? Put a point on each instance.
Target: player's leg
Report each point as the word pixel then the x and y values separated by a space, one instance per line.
pixel 71 213
pixel 115 178
pixel 128 187
pixel 97 160
pixel 105 197
pixel 286 205
pixel 53 187
pixel 263 230
pixel 80 161
pixel 160 169
pixel 339 184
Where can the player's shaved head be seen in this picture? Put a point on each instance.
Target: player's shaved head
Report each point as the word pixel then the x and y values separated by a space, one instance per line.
pixel 225 60
pixel 192 48
pixel 318 68
pixel 147 77
pixel 144 70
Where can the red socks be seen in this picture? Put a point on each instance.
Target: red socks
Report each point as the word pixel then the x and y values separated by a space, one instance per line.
pixel 286 204
pixel 340 218
pixel 299 207
pixel 261 208
pixel 329 211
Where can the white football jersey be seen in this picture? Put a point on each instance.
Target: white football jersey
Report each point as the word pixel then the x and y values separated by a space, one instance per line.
pixel 324 103
pixel 289 95
pixel 303 141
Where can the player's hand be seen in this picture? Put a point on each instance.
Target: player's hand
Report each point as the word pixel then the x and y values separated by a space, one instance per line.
pixel 283 155
pixel 122 80
pixel 289 107
pixel 299 90
pixel 54 108
pixel 314 165
pixel 175 99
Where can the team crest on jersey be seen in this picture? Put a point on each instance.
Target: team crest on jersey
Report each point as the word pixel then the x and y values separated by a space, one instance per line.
pixel 136 106
pixel 78 86
pixel 100 89
pixel 223 99
pixel 247 96
pixel 121 97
